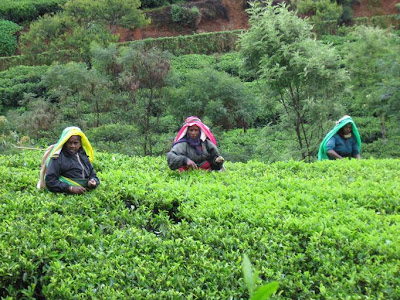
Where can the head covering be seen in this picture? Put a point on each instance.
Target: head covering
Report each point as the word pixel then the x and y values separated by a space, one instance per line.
pixel 322 153
pixel 66 134
pixel 204 130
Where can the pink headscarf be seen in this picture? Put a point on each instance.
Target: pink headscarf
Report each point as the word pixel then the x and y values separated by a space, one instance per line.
pixel 205 131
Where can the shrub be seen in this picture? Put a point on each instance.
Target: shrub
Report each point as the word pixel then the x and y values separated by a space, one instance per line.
pixel 156 3
pixel 8 30
pixel 17 81
pixel 20 11
pixel 327 230
pixel 229 63
pixel 186 17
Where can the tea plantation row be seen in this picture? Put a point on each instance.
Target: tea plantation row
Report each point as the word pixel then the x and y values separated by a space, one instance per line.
pixel 327 230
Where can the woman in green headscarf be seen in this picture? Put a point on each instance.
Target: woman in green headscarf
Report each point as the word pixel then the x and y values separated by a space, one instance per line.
pixel 69 167
pixel 342 141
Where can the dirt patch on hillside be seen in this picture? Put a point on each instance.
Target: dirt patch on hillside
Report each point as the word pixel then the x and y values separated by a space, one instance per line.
pixel 366 8
pixel 232 16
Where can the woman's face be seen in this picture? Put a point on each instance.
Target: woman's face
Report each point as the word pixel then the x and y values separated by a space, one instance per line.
pixel 73 144
pixel 194 132
pixel 347 129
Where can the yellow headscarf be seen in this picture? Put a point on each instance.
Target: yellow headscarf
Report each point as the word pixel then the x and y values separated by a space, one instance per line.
pixel 66 134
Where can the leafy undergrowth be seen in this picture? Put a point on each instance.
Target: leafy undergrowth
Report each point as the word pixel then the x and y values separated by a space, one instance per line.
pixel 326 230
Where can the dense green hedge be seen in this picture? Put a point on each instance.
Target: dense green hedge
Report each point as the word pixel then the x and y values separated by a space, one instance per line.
pixel 385 21
pixel 17 81
pixel 327 230
pixel 202 43
pixel 62 56
pixel 20 11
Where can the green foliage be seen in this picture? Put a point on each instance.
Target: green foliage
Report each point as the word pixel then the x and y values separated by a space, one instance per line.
pixel 202 43
pixel 41 118
pixel 141 76
pixel 251 278
pixel 23 11
pixel 4 127
pixel 374 65
pixel 398 7
pixel 321 10
pixel 326 12
pixel 116 138
pixel 189 62
pixel 302 74
pixel 373 4
pixel 152 3
pixel 271 28
pixel 385 21
pixel 383 148
pixel 156 3
pixel 17 81
pixel 267 144
pixel 239 146
pixel 185 16
pixel 110 13
pixel 8 44
pixel 78 91
pixel 81 23
pixel 327 230
pixel 45 58
pixel 52 33
pixel 229 63
pixel 216 95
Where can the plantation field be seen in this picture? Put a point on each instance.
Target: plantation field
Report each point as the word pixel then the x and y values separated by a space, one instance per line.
pixel 326 230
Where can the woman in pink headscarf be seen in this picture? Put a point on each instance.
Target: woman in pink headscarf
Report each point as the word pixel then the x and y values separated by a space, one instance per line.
pixel 194 148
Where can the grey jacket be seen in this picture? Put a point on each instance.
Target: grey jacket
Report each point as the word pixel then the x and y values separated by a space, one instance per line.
pixel 180 152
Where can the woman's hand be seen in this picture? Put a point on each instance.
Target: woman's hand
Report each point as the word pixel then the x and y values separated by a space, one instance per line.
pixel 92 183
pixel 76 189
pixel 219 160
pixel 333 154
pixel 191 164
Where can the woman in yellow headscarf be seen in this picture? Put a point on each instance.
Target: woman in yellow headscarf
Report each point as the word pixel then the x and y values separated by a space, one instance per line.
pixel 69 167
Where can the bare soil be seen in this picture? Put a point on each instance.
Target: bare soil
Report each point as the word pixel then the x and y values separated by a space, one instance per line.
pixel 386 7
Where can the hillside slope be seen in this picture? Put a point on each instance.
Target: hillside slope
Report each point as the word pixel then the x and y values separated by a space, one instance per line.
pixel 237 18
pixel 386 7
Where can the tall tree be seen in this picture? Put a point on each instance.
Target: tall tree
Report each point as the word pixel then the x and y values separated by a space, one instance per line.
pixel 372 58
pixel 80 23
pixel 141 75
pixel 303 74
pixel 82 95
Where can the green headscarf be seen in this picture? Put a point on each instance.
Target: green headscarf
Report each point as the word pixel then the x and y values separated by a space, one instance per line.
pixel 322 152
pixel 66 134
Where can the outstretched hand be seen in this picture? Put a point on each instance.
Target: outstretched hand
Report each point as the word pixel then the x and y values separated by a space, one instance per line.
pixel 191 164
pixel 219 160
pixel 92 183
pixel 77 190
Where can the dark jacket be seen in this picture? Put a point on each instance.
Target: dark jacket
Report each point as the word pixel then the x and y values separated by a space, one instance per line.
pixel 68 165
pixel 344 147
pixel 180 152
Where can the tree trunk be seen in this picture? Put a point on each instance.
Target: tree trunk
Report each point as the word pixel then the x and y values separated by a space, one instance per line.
pixel 298 134
pixel 383 129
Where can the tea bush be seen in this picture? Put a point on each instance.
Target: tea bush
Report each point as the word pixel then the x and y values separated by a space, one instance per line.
pixel 8 38
pixel 20 11
pixel 326 230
